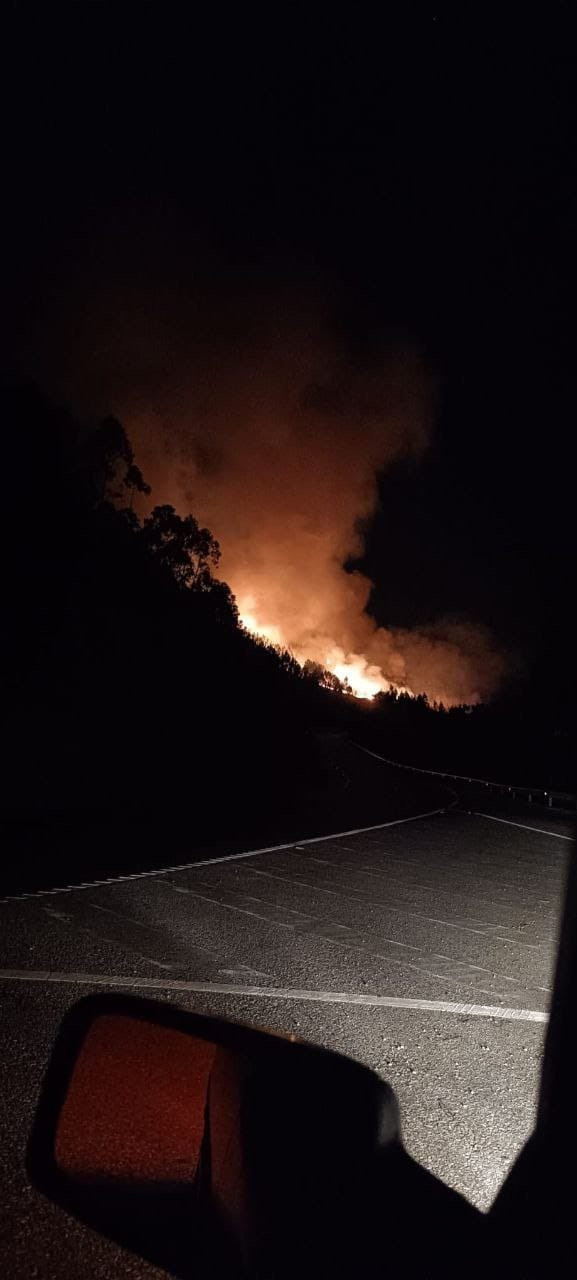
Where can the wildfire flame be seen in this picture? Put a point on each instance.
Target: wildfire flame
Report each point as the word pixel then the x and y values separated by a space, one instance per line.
pixel 357 674
pixel 363 679
pixel 274 439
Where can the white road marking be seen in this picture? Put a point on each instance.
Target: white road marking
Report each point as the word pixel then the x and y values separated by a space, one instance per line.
pixel 274 993
pixel 208 862
pixel 362 896
pixel 323 928
pixel 523 825
pixel 464 890
pixel 243 911
pixel 468 878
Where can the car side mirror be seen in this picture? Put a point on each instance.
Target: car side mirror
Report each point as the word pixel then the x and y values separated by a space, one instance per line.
pixel 200 1144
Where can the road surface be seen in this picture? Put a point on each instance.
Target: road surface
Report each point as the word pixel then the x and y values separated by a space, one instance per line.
pixel 424 948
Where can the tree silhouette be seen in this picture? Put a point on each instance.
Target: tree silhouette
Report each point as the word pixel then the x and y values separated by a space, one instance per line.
pixel 189 552
pixel 134 481
pixel 326 679
pixel 107 459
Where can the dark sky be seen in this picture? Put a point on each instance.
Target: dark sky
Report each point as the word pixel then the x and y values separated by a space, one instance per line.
pixel 418 178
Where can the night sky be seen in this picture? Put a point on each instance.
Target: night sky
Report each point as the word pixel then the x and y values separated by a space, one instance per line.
pixel 416 181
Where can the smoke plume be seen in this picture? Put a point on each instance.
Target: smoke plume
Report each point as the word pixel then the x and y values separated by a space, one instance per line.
pixel 266 427
pixel 276 445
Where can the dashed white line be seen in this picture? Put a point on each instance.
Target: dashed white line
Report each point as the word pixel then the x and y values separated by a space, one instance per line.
pixel 362 897
pixel 207 862
pixel 463 890
pixel 275 993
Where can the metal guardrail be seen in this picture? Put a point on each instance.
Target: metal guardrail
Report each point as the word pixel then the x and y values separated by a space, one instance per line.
pixel 551 798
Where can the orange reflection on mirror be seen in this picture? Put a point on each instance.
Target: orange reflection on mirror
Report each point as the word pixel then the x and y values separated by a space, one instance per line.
pixel 135 1106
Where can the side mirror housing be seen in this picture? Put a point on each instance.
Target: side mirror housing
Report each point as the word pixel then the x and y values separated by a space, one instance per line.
pixel 187 1138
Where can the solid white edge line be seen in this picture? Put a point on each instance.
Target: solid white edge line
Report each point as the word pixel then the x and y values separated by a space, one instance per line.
pixel 523 825
pixel 227 857
pixel 276 993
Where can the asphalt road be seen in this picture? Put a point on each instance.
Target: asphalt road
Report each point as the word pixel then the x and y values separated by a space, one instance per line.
pixel 452 917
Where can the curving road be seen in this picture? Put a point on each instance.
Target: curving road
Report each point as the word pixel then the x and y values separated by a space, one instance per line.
pixel 423 947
